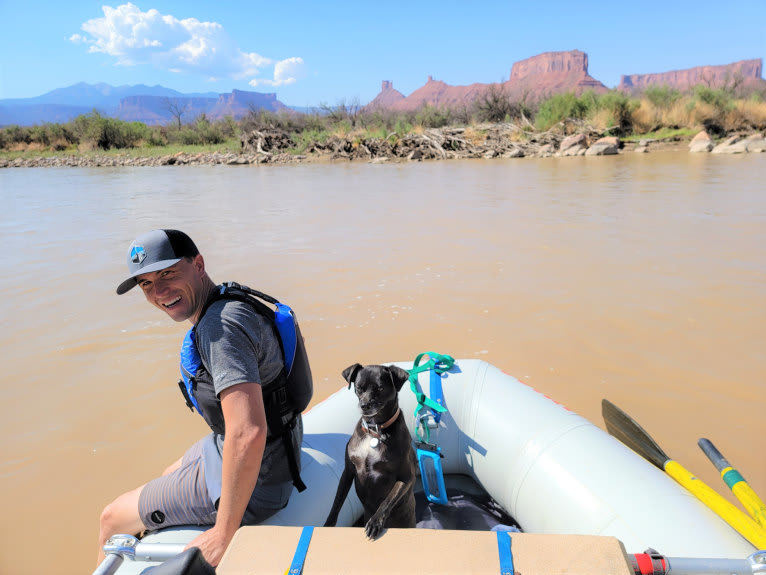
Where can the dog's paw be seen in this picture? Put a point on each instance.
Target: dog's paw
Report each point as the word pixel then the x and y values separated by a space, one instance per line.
pixel 374 527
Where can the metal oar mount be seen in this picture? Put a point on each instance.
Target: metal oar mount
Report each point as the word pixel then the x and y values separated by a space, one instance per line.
pixel 121 547
pixel 620 425
pixel 651 563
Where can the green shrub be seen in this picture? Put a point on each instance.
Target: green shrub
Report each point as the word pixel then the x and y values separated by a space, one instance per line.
pixel 306 138
pixel 619 109
pixel 17 135
pixel 432 117
pixel 403 126
pixel 157 137
pixel 107 133
pixel 662 97
pixel 716 97
pixel 710 106
pixel 558 108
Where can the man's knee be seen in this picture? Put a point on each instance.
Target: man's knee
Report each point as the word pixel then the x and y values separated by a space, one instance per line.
pixel 107 518
pixel 121 516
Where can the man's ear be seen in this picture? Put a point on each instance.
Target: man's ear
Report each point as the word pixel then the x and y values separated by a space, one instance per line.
pixel 350 373
pixel 398 375
pixel 199 264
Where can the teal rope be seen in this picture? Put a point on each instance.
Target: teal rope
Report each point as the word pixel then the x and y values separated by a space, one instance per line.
pixel 440 364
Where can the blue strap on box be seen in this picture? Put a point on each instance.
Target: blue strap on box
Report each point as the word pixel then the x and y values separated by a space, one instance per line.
pixel 504 550
pixel 296 567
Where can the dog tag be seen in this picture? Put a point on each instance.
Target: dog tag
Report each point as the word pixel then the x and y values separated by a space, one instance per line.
pixel 374 442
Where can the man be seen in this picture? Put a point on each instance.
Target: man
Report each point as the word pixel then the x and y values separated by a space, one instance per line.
pixel 245 478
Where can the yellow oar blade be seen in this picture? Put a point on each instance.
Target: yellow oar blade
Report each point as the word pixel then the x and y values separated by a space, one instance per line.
pixel 746 527
pixel 626 429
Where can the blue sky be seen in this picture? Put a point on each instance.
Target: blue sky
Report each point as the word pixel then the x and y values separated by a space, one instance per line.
pixel 331 52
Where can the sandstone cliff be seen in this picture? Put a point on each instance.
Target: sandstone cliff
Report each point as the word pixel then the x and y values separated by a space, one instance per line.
pixel 748 72
pixel 546 74
pixel 239 103
pixel 387 97
pixel 437 93
pixel 532 79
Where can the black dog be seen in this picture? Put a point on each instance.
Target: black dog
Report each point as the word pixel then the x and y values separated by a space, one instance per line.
pixel 379 455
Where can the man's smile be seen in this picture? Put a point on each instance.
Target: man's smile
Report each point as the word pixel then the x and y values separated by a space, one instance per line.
pixel 172 303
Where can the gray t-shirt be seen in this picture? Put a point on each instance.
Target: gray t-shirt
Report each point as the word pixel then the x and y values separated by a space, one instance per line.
pixel 237 345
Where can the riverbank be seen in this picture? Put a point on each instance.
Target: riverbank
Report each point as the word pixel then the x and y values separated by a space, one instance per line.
pixel 483 142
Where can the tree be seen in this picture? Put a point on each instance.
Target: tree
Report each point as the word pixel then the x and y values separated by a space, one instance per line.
pixel 177 109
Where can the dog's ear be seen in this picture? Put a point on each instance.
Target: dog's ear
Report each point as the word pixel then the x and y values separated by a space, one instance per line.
pixel 350 373
pixel 398 375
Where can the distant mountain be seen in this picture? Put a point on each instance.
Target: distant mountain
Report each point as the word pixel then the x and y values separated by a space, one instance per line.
pixel 140 103
pixel 102 96
pixel 532 79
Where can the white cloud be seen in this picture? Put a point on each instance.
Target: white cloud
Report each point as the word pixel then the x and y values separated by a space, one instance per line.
pixel 134 37
pixel 286 72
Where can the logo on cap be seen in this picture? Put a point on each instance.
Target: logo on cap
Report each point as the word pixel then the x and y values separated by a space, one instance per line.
pixel 137 254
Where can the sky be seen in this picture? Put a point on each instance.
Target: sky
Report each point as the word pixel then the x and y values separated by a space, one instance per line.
pixel 332 52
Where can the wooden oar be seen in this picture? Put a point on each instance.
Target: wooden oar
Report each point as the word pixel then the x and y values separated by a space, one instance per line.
pixel 623 427
pixel 739 487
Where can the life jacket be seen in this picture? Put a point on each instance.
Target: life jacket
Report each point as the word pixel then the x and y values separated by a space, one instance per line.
pixel 284 398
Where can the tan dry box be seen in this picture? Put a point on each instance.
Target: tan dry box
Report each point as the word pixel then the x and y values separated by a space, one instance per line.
pixel 269 550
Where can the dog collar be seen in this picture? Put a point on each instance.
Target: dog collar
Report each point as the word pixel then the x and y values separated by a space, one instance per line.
pixel 374 429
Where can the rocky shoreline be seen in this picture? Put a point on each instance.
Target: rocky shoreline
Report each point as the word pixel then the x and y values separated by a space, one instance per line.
pixel 486 142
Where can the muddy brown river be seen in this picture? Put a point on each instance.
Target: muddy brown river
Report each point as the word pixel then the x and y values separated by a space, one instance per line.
pixel 638 278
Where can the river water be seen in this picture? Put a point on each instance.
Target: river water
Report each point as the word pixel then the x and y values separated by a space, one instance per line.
pixel 638 278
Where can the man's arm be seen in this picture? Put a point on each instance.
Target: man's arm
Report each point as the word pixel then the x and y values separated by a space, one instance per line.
pixel 243 448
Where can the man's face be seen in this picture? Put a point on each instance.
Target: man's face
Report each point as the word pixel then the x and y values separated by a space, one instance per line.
pixel 176 290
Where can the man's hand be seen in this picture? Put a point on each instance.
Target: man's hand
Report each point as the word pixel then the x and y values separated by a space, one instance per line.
pixel 212 544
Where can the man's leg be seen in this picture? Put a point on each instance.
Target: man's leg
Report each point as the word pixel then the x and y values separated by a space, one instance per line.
pixel 178 497
pixel 120 516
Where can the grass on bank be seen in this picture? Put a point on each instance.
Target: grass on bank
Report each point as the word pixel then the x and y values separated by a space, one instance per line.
pixel 658 113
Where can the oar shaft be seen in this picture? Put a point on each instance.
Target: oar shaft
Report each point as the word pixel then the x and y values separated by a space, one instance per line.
pixel 733 478
pixel 746 527
pixel 749 499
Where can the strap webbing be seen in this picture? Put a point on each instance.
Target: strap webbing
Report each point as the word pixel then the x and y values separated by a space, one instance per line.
pixel 504 551
pixel 296 567
pixel 439 364
pixel 437 394
pixel 292 459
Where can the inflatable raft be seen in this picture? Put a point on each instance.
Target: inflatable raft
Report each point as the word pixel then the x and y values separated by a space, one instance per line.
pixel 553 471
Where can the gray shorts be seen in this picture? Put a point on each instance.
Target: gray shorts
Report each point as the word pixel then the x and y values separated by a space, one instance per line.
pixel 182 498
pixel 179 498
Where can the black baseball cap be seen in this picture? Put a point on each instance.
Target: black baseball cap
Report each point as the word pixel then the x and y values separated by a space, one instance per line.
pixel 155 251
